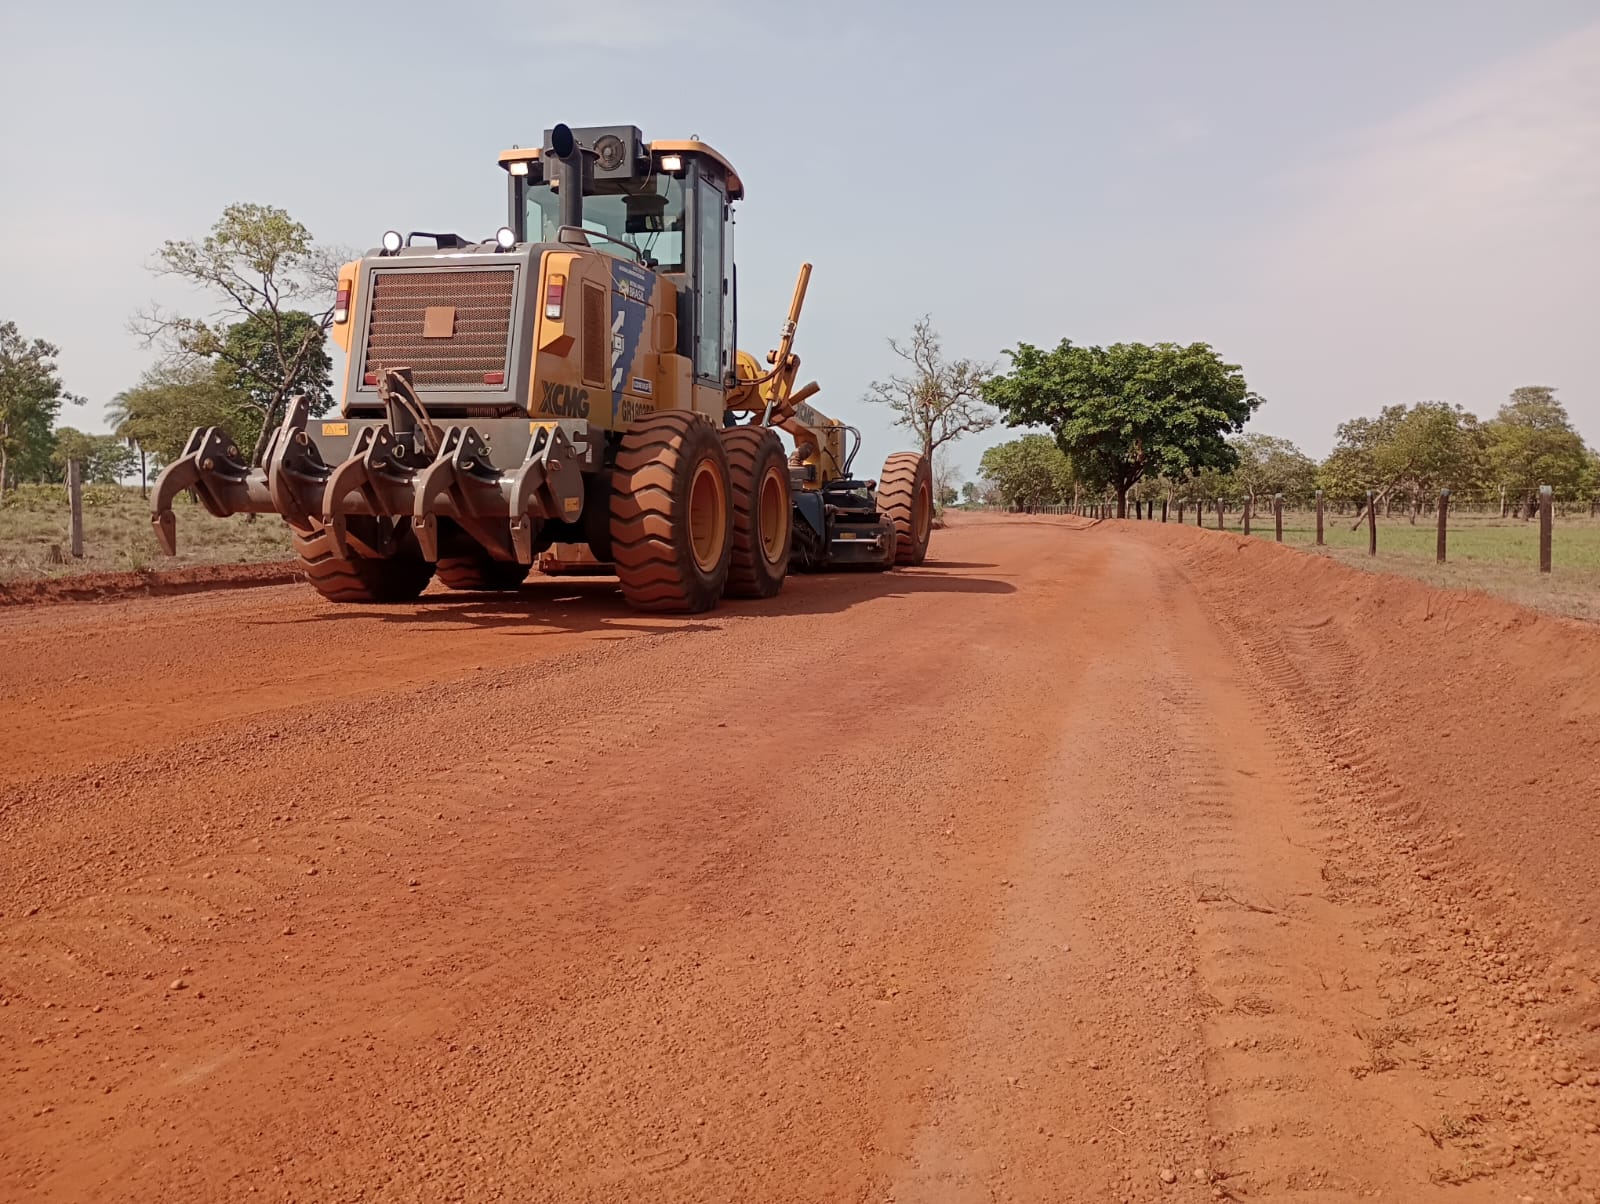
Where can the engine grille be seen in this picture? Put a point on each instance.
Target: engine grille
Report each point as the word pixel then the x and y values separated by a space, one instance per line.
pixel 479 343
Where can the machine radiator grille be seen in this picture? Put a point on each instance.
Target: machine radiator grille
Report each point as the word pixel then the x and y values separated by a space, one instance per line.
pixel 470 322
pixel 596 338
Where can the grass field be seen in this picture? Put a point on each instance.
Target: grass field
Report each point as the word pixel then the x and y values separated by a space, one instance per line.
pixel 1496 555
pixel 117 536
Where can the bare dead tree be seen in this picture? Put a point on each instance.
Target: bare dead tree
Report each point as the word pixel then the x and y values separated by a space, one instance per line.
pixel 938 399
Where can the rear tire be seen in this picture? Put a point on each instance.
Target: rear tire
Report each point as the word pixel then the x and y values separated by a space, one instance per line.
pixel 482 573
pixel 671 521
pixel 398 578
pixel 763 514
pixel 905 497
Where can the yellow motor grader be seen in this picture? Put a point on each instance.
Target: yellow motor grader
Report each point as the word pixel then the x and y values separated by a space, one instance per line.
pixel 568 391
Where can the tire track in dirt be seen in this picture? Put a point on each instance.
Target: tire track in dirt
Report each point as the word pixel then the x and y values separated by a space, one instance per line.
pixel 1444 1002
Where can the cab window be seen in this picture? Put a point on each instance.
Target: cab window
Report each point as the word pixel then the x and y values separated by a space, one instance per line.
pixel 711 353
pixel 648 214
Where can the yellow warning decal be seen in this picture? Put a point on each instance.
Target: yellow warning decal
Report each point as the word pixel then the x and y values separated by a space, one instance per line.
pixel 535 427
pixel 573 504
pixel 335 428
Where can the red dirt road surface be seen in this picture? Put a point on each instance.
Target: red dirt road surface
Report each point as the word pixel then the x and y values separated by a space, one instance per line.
pixel 1085 863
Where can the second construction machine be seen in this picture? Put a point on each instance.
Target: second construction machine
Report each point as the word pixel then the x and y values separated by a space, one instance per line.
pixel 569 391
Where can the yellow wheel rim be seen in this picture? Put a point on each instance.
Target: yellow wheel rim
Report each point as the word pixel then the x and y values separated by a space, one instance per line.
pixel 708 515
pixel 770 509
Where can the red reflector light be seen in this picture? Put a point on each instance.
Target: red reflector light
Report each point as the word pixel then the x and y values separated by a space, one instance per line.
pixel 494 378
pixel 371 378
pixel 341 305
pixel 554 294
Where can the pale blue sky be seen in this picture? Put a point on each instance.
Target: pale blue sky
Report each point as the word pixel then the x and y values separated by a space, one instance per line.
pixel 1360 202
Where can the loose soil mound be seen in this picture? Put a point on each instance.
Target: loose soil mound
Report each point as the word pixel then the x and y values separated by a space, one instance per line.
pixel 98 587
pixel 1476 718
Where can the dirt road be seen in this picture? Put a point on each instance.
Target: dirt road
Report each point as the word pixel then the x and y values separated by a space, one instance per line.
pixel 1078 865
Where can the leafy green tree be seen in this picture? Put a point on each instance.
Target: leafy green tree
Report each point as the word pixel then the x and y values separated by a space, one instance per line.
pixel 1269 464
pixel 1028 472
pixel 1591 480
pixel 31 396
pixel 102 459
pixel 251 362
pixel 1431 446
pixel 171 399
pixel 1204 486
pixel 263 267
pixel 969 494
pixel 1130 410
pixel 1532 442
pixel 1408 450
pixel 938 399
pixel 1352 466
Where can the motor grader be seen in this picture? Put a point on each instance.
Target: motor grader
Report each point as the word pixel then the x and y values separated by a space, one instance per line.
pixel 568 393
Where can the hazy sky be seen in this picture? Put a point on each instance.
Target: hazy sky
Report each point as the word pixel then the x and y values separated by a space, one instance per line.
pixel 1361 203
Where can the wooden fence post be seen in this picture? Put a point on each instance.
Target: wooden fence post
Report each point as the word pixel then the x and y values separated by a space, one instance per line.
pixel 1372 524
pixel 1319 518
pixel 1180 512
pixel 1219 514
pixel 1444 511
pixel 1277 514
pixel 1248 499
pixel 1199 512
pixel 1544 528
pixel 1165 502
pixel 75 502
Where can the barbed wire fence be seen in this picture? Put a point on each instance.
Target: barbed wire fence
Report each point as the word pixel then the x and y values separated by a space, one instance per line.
pixel 1257 512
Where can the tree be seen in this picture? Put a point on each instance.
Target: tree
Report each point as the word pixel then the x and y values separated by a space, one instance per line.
pixel 1415 450
pixel 1591 481
pixel 102 459
pixel 250 362
pixel 945 474
pixel 1130 410
pixel 1531 442
pixel 1429 447
pixel 31 395
pixel 1269 464
pixel 969 494
pixel 940 400
pixel 170 400
pixel 1352 467
pixel 259 263
pixel 1028 472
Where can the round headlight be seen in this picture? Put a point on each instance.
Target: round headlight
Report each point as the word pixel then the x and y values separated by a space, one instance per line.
pixel 505 238
pixel 392 241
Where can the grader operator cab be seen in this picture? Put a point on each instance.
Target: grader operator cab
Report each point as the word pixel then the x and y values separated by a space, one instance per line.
pixel 568 390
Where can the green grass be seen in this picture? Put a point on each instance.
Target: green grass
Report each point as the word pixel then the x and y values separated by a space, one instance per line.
pixel 1498 556
pixel 1575 542
pixel 117 536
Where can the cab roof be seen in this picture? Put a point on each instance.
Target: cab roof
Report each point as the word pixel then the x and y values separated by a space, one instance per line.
pixel 669 147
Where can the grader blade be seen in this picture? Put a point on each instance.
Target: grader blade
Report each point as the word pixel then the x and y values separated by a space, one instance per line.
pixel 377 475
pixel 550 483
pixel 211 470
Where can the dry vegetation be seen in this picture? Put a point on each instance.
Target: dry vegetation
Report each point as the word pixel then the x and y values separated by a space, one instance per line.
pixel 117 535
